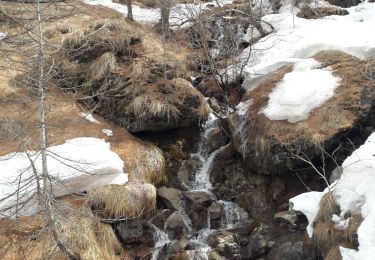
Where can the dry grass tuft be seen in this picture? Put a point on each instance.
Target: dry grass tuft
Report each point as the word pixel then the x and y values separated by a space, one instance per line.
pixel 116 201
pixel 350 233
pixel 73 40
pixel 103 66
pixel 325 237
pixel 334 254
pixel 327 207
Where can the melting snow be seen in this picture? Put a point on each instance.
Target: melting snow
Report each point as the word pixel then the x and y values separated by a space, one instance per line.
pixel 2 35
pixel 355 193
pixel 108 132
pixel 300 91
pixel 179 15
pixel 80 164
pixel 297 38
pixel 89 117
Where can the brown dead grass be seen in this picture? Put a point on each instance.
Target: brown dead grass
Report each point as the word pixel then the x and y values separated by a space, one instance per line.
pixel 130 202
pixel 337 114
pixel 327 208
pixel 24 238
pixel 350 233
pixel 325 237
pixel 334 254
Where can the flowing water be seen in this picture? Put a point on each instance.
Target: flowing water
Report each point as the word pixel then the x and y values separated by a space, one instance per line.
pixel 232 213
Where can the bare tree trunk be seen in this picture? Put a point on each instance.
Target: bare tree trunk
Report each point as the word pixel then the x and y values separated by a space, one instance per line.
pixel 165 10
pixel 130 10
pixel 47 192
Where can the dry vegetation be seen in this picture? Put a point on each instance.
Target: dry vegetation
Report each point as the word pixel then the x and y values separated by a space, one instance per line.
pixel 339 113
pixel 127 79
pixel 25 238
pixel 132 201
pixel 327 238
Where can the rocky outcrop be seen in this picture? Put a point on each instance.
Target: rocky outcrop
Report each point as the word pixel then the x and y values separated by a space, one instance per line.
pixel 273 146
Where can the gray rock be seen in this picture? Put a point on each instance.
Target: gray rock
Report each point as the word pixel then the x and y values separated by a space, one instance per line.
pixel 130 231
pixel 176 226
pixel 170 196
pixel 215 210
pixel 290 217
pixel 161 217
pixel 200 198
pixel 291 251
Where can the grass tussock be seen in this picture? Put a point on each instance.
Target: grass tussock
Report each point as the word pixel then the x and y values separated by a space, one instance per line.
pixel 325 237
pixel 350 233
pixel 103 66
pixel 116 202
pixel 327 208
pixel 334 254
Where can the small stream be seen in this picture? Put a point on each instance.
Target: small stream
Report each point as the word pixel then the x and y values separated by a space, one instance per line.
pixel 232 214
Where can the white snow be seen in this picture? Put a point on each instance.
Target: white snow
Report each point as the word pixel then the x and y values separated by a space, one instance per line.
pixel 2 35
pixel 242 107
pixel 300 91
pixel 180 13
pixel 108 132
pixel 355 193
pixel 89 117
pixel 80 164
pixel 296 38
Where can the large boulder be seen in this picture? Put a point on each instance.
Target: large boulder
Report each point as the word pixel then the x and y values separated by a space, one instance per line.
pixel 276 146
pixel 170 196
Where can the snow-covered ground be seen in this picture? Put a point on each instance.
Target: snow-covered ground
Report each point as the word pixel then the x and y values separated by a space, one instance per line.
pixel 355 193
pixel 297 38
pixel 180 13
pixel 300 91
pixel 79 164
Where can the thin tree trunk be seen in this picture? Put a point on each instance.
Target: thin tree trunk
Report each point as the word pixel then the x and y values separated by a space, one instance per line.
pixel 47 192
pixel 130 10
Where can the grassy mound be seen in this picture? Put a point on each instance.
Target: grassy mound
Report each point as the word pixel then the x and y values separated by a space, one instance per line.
pixel 127 75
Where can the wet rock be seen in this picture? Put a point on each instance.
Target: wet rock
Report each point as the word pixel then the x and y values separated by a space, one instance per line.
pixel 197 204
pixel 291 251
pixel 229 250
pixel 170 196
pixel 161 217
pixel 215 139
pixel 258 243
pixel 130 231
pixel 215 210
pixel 186 173
pixel 210 88
pixel 176 226
pixel 200 198
pixel 215 256
pixel 289 217
pixel 177 246
pixel 221 237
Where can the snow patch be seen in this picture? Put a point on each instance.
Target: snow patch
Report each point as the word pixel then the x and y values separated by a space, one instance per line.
pixel 2 35
pixel 296 38
pixel 80 164
pixel 300 91
pixel 355 193
pixel 89 117
pixel 180 13
pixel 242 107
pixel 108 132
